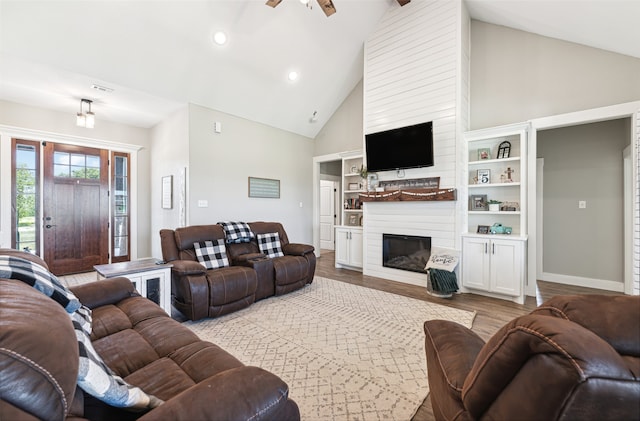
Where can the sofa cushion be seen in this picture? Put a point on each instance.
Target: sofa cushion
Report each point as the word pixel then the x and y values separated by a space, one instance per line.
pixel 237 232
pixel 212 254
pixel 270 244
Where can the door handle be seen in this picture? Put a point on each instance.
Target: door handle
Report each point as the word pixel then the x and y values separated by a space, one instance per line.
pixel 49 226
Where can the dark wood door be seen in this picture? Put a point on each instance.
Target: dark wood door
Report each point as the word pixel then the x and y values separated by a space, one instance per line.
pixel 76 208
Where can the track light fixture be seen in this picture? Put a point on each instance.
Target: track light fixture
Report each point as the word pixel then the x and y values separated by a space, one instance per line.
pixel 87 120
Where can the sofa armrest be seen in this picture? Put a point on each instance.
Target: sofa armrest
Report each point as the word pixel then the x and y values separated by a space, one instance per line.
pixel 550 360
pixel 451 352
pixel 187 267
pixel 296 249
pixel 241 393
pixel 107 291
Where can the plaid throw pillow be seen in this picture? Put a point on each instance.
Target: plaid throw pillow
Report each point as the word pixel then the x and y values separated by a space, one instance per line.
pixel 212 254
pixel 237 232
pixel 270 244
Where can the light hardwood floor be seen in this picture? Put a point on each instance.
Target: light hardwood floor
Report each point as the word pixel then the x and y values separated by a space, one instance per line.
pixel 491 313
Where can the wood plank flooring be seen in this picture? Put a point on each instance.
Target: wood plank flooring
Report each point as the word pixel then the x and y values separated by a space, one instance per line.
pixel 491 313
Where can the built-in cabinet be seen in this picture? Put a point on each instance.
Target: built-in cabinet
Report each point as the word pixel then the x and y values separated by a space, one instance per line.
pixel 494 265
pixel 493 258
pixel 348 235
pixel 349 247
pixel 352 186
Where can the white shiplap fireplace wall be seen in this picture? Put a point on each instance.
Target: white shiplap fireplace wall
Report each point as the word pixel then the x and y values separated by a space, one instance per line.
pixel 417 70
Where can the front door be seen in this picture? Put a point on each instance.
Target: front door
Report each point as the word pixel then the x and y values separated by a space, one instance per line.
pixel 76 208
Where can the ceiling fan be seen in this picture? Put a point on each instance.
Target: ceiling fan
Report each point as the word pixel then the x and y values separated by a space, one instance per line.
pixel 326 5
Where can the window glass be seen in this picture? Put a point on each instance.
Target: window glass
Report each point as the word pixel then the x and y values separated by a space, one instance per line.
pixel 25 198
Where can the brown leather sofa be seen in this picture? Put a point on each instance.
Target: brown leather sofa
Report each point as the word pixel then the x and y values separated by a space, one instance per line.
pixel 573 358
pixel 199 293
pixel 135 337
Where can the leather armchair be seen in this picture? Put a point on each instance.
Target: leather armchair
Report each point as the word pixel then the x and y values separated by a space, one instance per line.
pixel 575 357
pixel 197 380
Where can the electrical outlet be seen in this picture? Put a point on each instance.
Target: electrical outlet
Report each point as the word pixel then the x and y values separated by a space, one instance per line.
pixel 582 204
pixel 203 203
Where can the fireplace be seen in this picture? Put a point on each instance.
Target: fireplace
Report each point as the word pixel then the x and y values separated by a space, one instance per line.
pixel 405 252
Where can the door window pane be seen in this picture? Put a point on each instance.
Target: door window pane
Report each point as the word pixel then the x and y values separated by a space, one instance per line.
pixel 76 165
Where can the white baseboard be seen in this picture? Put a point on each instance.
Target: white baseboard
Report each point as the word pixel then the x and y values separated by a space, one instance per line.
pixel 582 282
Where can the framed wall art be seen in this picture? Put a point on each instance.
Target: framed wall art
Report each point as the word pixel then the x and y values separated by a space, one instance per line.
pixel 264 187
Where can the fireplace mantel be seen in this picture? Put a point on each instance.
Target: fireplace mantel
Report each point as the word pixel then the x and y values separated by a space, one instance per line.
pixel 406 195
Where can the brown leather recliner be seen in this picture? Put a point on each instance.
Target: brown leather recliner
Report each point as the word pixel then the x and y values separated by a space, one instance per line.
pixel 575 357
pixel 197 292
pixel 136 338
pixel 200 293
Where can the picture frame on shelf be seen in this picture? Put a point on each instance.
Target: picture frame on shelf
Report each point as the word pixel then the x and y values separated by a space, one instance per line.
pixel 483 229
pixel 484 176
pixel 353 219
pixel 504 150
pixel 354 186
pixel 484 154
pixel 478 202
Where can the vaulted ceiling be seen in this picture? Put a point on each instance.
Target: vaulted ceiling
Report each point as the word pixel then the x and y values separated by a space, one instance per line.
pixel 157 56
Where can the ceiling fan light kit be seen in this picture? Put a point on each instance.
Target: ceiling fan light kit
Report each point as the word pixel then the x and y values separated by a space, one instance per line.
pixel 327 6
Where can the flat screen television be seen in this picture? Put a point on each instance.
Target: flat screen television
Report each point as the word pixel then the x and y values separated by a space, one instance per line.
pixel 396 149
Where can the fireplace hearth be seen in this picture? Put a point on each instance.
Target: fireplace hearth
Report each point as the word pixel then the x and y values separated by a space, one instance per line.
pixel 406 252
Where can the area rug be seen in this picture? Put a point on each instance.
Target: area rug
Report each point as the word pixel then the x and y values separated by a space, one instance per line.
pixel 346 352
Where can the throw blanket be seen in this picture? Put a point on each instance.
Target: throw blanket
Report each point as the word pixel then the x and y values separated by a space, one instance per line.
pixel 441 266
pixel 94 377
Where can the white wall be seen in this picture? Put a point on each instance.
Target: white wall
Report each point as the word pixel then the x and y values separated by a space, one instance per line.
pixel 43 124
pixel 170 156
pixel 220 164
pixel 517 76
pixel 415 61
pixel 584 163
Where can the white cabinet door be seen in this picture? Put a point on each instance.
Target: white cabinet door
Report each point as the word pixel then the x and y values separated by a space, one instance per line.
pixel 342 246
pixel 507 267
pixel 476 263
pixel 355 248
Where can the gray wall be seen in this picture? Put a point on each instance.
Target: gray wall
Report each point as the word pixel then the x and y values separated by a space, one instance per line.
pixel 517 76
pixel 584 163
pixel 343 132
pixel 170 156
pixel 220 164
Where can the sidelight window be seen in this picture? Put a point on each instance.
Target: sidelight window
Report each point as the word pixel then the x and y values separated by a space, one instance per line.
pixel 25 196
pixel 121 199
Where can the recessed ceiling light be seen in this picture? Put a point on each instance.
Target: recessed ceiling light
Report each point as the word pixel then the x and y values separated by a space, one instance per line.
pixel 220 38
pixel 293 75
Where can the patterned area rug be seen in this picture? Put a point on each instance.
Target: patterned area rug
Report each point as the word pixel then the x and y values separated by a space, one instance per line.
pixel 346 352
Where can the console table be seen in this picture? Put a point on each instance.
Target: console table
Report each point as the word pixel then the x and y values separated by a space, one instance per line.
pixel 151 279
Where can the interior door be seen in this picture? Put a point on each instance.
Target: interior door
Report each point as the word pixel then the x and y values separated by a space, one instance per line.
pixel 327 214
pixel 75 208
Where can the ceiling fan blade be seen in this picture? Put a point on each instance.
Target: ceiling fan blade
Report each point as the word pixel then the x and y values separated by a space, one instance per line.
pixel 400 2
pixel 273 3
pixel 327 7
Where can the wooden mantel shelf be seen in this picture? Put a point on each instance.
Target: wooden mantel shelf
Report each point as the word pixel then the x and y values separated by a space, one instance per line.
pixel 406 195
